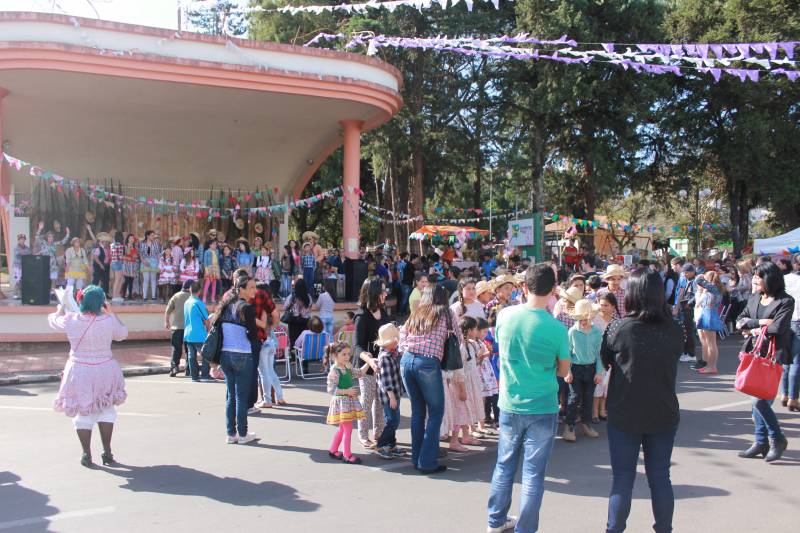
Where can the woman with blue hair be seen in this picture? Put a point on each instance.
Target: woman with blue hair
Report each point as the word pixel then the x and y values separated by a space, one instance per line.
pixel 92 383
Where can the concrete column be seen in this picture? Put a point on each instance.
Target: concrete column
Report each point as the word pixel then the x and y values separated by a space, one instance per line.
pixel 5 180
pixel 5 191
pixel 351 130
pixel 283 229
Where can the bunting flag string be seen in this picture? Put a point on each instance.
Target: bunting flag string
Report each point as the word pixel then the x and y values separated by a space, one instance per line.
pixel 636 228
pixel 358 8
pixel 215 208
pixel 678 59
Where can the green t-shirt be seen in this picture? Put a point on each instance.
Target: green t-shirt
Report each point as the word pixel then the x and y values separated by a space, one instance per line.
pixel 530 341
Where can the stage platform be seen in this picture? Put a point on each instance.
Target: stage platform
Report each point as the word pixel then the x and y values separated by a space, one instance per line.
pixel 20 324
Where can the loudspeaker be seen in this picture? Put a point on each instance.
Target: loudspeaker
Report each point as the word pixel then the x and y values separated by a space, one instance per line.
pixel 355 272
pixel 35 282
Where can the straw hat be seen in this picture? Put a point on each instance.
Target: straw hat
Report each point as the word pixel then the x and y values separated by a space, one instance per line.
pixel 482 286
pixel 614 271
pixel 573 294
pixel 499 281
pixel 212 231
pixel 584 309
pixel 22 236
pixel 387 334
pixel 307 236
pixel 175 239
pixel 520 277
pixel 103 236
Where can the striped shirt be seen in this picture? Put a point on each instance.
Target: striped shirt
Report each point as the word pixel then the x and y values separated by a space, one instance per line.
pixel 429 344
pixel 117 251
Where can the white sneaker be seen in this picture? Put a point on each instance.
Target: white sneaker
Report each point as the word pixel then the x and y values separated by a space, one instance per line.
pixel 511 523
pixel 250 437
pixel 231 439
pixel 686 358
pixel 253 411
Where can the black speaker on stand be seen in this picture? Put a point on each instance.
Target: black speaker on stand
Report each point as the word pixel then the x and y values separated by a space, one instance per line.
pixel 355 272
pixel 35 283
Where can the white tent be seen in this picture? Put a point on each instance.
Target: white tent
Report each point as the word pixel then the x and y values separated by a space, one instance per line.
pixel 776 245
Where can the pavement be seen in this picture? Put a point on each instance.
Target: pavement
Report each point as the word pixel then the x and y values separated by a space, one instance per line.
pixel 44 362
pixel 178 475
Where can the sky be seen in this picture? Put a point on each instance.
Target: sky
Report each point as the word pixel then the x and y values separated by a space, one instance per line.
pixel 158 13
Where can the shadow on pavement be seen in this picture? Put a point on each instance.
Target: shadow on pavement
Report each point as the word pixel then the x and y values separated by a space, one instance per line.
pixel 181 481
pixel 11 391
pixel 23 509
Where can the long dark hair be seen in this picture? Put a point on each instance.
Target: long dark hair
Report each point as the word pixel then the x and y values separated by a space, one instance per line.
pixel 370 294
pixel 644 296
pixel 118 237
pixel 301 292
pixel 774 284
pixel 232 296
pixel 461 284
pixel 432 307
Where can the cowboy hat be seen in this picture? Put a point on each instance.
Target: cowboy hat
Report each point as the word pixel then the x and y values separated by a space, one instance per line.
pixel 520 277
pixel 22 236
pixel 197 235
pixel 103 236
pixel 482 286
pixel 584 309
pixel 386 334
pixel 258 227
pixel 573 294
pixel 614 271
pixel 499 281
pixel 175 239
pixel 212 231
pixel 308 235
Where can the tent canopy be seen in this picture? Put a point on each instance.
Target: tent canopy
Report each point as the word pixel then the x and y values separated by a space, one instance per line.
pixel 781 243
pixel 429 232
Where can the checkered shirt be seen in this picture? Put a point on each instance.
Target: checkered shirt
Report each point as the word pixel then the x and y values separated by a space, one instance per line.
pixel 117 251
pixel 429 344
pixel 309 261
pixel 389 377
pixel 262 302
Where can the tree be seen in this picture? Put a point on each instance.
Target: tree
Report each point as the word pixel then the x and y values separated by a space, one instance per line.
pixel 223 18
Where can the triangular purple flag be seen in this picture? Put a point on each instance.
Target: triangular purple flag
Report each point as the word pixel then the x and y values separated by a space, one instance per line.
pixel 792 74
pixel 752 74
pixel 665 49
pixel 757 47
pixel 772 49
pixel 716 73
pixel 691 49
pixel 644 47
pixel 788 48
pixel 717 49
pixel 608 47
pixel 730 49
pixel 677 49
pixel 744 49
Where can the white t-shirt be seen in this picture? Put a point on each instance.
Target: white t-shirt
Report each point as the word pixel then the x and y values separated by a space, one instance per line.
pixel 325 304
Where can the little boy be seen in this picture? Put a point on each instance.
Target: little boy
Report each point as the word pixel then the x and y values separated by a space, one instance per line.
pixel 390 388
pixel 586 371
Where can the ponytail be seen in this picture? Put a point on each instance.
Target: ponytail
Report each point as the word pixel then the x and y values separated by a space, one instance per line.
pixel 333 349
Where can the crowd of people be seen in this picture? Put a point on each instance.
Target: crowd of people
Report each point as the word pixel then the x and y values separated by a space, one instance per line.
pixel 537 346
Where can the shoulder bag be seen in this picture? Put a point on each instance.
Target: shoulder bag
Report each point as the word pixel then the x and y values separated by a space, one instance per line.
pixel 212 347
pixel 286 316
pixel 758 375
pixel 451 358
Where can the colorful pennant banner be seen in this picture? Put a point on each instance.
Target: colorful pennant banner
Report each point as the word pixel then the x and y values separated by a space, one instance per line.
pixel 359 8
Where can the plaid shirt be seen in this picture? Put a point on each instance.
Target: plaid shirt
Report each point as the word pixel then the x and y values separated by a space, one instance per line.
pixel 429 344
pixel 150 250
pixel 262 302
pixel 308 261
pixel 389 377
pixel 117 251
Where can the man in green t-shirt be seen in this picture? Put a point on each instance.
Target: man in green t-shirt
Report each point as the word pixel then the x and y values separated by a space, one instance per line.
pixel 534 349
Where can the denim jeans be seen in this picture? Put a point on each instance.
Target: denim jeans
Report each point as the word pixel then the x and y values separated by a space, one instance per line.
pixel 286 284
pixel 767 426
pixel 624 450
pixel 327 322
pixel 581 391
pixel 308 278
pixel 238 369
pixel 531 436
pixel 266 369
pixel 790 380
pixel 176 341
pixel 402 304
pixel 391 419
pixel 422 378
pixel 201 371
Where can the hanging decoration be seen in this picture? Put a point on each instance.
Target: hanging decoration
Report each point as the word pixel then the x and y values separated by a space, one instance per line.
pixel 677 59
pixel 358 8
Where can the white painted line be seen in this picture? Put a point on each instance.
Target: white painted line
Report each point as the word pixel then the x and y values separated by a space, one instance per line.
pixel 122 413
pixel 726 405
pixel 52 518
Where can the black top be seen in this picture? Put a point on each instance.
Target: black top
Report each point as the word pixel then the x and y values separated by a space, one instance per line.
pixel 408 274
pixel 780 311
pixel 643 358
pixel 367 327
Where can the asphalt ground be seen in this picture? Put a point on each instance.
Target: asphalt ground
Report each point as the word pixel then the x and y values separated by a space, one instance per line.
pixel 178 475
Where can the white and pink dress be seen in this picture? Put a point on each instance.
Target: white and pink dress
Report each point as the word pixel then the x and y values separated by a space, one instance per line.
pixel 92 383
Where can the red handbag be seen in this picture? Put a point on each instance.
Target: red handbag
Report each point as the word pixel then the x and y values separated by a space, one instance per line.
pixel 758 375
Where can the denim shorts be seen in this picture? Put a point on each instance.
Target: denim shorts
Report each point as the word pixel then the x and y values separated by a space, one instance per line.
pixel 116 266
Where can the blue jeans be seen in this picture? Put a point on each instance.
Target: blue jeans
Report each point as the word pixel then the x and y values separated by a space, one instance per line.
pixel 308 277
pixel 286 284
pixel 238 369
pixel 391 418
pixel 767 426
pixel 624 450
pixel 531 436
pixel 405 292
pixel 327 323
pixel 790 380
pixel 422 378
pixel 581 392
pixel 201 371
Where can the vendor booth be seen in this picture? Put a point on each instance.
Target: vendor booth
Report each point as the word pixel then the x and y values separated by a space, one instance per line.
pixel 786 243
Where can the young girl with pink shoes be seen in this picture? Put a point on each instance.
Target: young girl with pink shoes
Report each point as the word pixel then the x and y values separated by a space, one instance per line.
pixel 345 407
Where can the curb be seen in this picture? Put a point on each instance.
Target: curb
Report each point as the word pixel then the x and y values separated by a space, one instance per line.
pixel 44 377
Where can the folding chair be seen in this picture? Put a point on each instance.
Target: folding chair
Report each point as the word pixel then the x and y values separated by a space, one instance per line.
pixel 723 315
pixel 350 338
pixel 282 353
pixel 313 352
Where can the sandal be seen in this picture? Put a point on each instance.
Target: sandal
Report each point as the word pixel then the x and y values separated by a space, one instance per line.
pixel 353 460
pixel 595 420
pixel 337 455
pixel 705 370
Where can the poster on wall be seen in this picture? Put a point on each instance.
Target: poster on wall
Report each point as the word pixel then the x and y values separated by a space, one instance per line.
pixel 520 232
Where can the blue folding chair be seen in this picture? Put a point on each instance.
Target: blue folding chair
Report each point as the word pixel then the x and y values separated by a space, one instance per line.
pixel 313 352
